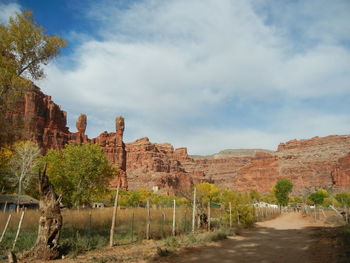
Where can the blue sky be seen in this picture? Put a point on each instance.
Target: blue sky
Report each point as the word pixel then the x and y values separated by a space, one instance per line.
pixel 205 74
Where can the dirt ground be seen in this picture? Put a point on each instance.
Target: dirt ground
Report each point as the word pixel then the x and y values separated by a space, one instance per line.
pixel 288 238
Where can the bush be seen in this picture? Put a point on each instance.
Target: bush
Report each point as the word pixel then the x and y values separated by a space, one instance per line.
pixel 282 190
pixel 318 197
pixel 163 252
pixel 343 198
pixel 171 242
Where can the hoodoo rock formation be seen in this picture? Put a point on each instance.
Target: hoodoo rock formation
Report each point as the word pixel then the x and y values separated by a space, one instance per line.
pixel 310 164
pixel 46 124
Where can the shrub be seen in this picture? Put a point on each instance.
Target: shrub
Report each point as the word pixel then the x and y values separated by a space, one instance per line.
pixel 171 242
pixel 318 197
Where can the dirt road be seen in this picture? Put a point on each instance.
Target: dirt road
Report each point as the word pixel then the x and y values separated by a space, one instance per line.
pixel 288 238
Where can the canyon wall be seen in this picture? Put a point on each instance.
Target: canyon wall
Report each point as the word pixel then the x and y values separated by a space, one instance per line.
pixel 310 164
pixel 46 124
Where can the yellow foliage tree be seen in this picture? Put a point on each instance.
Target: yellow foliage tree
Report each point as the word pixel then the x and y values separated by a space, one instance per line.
pixel 207 192
pixel 24 49
pixel 5 157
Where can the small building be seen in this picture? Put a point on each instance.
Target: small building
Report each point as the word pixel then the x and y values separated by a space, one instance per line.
pixel 98 205
pixel 10 202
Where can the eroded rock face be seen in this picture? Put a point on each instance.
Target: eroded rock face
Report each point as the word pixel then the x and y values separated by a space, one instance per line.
pixel 44 121
pixel 341 174
pixel 81 123
pixel 310 164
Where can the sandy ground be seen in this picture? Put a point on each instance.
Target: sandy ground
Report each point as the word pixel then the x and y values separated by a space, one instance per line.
pixel 288 238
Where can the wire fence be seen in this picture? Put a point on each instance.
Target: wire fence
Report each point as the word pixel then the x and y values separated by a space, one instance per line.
pixel 90 228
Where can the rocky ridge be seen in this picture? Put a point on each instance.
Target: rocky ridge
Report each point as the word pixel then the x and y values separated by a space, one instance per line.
pixel 320 162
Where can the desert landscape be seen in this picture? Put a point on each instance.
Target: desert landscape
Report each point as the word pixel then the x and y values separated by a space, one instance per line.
pixel 174 131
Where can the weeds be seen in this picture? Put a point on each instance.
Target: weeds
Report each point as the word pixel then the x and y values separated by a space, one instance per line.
pixel 163 252
pixel 85 230
pixel 171 242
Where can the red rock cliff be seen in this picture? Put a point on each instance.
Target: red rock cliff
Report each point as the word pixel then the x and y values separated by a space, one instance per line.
pixel 310 164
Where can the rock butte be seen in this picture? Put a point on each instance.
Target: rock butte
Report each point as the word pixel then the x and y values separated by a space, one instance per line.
pixel 319 162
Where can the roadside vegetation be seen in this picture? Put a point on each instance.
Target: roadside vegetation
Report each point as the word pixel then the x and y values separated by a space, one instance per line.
pixel 88 229
pixel 80 173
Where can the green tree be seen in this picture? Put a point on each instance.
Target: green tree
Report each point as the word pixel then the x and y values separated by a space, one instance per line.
pixel 318 197
pixel 343 199
pixel 331 200
pixel 80 173
pixel 255 196
pixel 24 49
pixel 5 157
pixel 269 197
pixel 241 206
pixel 282 190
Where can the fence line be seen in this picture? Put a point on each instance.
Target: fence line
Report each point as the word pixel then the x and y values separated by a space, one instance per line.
pixel 140 223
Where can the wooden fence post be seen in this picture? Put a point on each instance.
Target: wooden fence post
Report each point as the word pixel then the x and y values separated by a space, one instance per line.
pixel 5 228
pixel 194 211
pixel 230 207
pixel 209 216
pixel 5 206
pixel 132 227
pixel 346 214
pixel 114 217
pixel 315 211
pixel 148 227
pixel 238 221
pixel 174 218
pixel 163 221
pixel 18 230
pixel 90 227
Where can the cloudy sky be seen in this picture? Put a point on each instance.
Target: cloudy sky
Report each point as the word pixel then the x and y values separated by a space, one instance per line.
pixel 205 74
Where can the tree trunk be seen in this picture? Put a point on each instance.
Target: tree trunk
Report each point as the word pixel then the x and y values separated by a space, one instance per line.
pixel 50 222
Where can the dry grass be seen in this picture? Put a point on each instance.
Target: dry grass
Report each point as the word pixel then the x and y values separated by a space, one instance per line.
pixel 89 228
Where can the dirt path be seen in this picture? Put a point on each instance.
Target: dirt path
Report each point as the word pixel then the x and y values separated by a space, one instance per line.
pixel 288 238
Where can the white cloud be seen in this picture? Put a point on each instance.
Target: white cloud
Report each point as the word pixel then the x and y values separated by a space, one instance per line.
pixel 163 63
pixel 7 10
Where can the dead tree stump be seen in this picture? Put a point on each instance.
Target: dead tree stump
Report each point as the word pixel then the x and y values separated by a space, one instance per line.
pixel 50 222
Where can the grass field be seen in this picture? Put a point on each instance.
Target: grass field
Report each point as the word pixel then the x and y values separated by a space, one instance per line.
pixel 87 229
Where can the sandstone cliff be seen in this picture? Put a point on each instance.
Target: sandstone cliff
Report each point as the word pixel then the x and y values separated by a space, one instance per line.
pixel 45 123
pixel 310 164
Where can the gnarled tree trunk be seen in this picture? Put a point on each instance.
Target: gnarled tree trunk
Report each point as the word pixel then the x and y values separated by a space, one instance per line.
pixel 50 222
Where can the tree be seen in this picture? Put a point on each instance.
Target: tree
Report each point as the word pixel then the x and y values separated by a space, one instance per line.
pixel 318 197
pixel 80 173
pixel 24 49
pixel 241 208
pixel 207 192
pixel 343 199
pixel 255 196
pixel 5 157
pixel 22 163
pixel 282 190
pixel 269 197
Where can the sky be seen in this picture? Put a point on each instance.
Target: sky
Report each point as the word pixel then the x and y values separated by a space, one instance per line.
pixel 203 74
